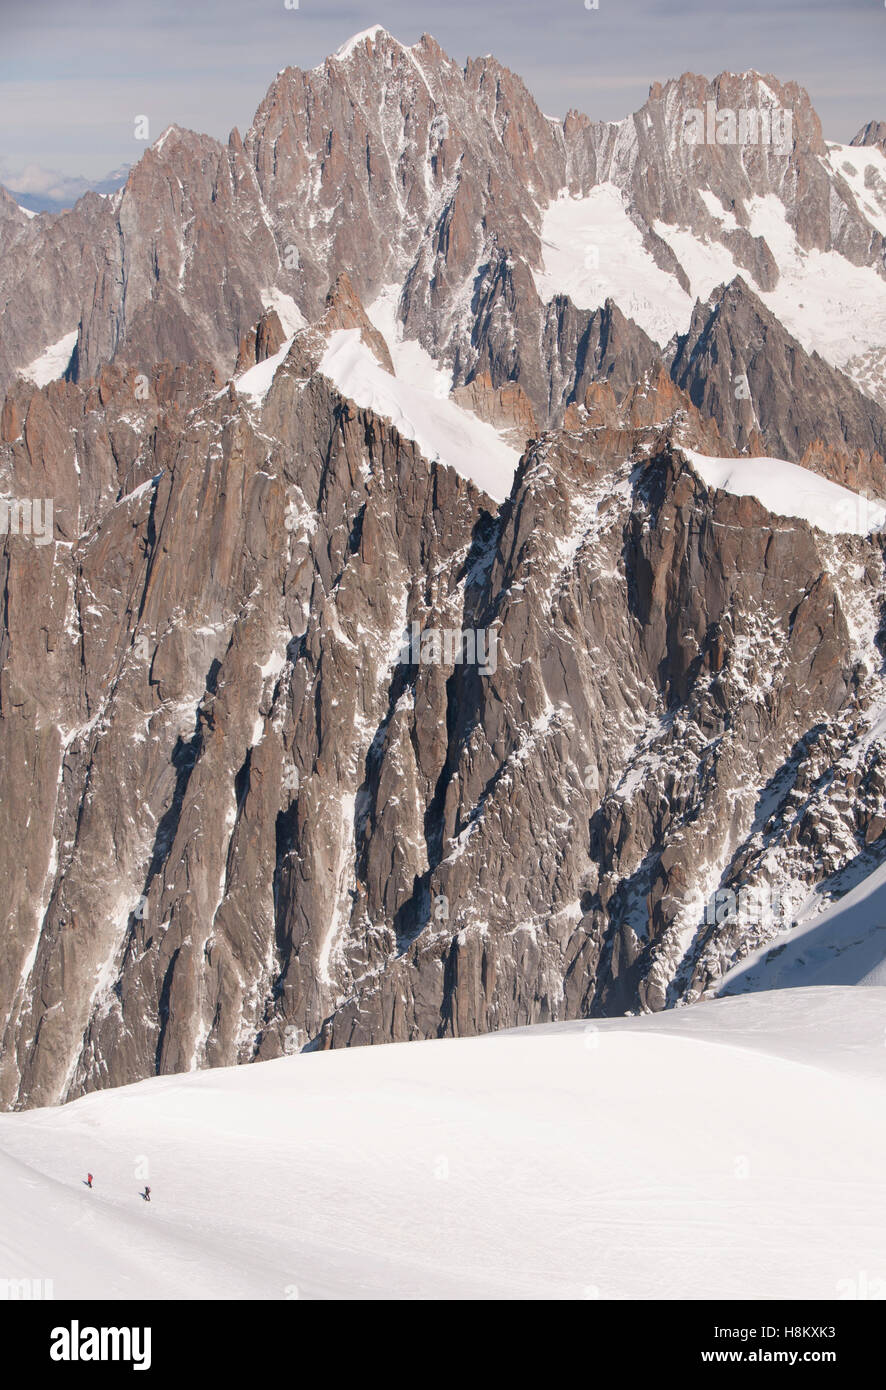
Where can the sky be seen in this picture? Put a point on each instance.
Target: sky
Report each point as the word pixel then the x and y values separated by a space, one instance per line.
pixel 73 77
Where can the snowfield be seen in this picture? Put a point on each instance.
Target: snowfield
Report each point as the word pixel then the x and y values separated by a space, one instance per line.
pixel 733 1149
pixel 418 404
pixel 864 169
pixel 257 381
pixel 592 250
pixel 416 400
pixel 786 489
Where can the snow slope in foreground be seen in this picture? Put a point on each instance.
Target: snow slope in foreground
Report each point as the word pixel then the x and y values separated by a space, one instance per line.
pixel 786 489
pixel 733 1149
pixel 844 945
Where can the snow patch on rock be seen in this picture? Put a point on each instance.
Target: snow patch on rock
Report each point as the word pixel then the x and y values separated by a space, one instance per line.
pixel 52 362
pixel 418 405
pixel 786 489
pixel 288 312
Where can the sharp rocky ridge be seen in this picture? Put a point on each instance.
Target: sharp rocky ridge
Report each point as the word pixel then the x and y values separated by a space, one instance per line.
pixel 412 357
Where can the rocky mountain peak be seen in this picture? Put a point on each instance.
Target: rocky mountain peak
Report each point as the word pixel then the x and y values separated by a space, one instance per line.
pixel 372 40
pixel 345 311
pixel 332 737
pixel 874 133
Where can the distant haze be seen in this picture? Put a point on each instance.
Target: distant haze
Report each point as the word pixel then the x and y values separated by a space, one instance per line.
pixel 74 78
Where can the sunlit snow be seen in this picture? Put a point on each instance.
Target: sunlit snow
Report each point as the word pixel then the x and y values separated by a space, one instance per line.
pixel 786 489
pixel 52 362
pixel 593 251
pixel 257 381
pixel 356 40
pixel 288 312
pixel 864 169
pixel 418 405
pixel 730 1150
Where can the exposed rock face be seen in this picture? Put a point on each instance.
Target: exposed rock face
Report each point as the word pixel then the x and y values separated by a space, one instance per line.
pixel 653 400
pixel 739 366
pixel 260 342
pixel 667 172
pixel 874 133
pixel 263 811
pixel 506 407
pixel 256 824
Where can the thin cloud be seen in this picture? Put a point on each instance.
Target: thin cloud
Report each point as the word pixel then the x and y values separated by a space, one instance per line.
pixel 73 78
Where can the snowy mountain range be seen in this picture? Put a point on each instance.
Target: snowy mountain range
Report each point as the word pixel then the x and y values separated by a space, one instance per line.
pixel 451 590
